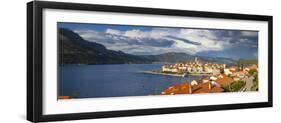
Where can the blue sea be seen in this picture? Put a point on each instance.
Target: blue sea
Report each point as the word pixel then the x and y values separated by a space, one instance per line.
pixel 92 81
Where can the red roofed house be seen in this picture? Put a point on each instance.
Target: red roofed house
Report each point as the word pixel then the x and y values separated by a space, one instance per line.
pixel 240 74
pixel 186 88
pixel 224 81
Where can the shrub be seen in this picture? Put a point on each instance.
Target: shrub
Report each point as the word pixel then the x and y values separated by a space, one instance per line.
pixel 255 86
pixel 235 86
pixel 253 71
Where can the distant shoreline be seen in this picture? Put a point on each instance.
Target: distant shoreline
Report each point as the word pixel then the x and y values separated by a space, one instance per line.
pixel 172 74
pixel 160 73
pixel 115 64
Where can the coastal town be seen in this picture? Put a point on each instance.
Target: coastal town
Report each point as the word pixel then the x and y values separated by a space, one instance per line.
pixel 194 67
pixel 109 60
pixel 216 77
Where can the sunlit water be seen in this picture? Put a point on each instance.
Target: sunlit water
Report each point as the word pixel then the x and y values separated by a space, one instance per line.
pixel 91 81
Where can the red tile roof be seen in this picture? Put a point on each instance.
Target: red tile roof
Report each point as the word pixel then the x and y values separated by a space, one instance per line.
pixel 185 89
pixel 63 97
pixel 204 88
pixel 178 89
pixel 253 67
pixel 224 81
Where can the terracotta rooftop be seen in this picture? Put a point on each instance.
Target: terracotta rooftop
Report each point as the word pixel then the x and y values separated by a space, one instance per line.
pixel 253 67
pixel 204 88
pixel 178 89
pixel 240 73
pixel 63 97
pixel 185 89
pixel 232 69
pixel 224 81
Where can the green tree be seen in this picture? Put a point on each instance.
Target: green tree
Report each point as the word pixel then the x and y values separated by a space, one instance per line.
pixel 235 86
pixel 253 71
pixel 255 86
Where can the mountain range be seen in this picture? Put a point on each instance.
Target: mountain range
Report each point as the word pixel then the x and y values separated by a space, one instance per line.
pixel 73 49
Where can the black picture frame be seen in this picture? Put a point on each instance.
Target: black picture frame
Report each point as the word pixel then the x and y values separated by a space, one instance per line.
pixel 34 60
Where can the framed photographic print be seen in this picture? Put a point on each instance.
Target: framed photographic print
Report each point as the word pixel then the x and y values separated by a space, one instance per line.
pixel 95 61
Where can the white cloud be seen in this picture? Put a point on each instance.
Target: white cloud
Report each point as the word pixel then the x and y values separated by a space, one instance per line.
pixel 249 33
pixel 198 33
pixel 89 34
pixel 136 34
pixel 137 41
pixel 208 40
pixel 113 32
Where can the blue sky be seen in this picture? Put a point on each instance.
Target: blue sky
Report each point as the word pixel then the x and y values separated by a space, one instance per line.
pixel 147 40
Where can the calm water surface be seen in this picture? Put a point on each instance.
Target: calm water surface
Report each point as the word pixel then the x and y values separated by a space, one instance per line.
pixel 90 81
